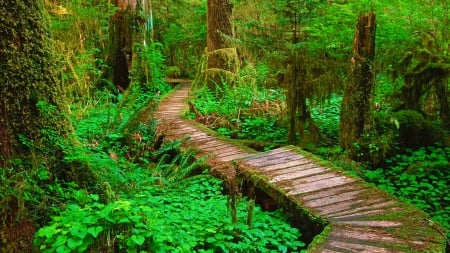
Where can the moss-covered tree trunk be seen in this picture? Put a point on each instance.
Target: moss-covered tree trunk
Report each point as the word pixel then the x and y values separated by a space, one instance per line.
pixel 33 124
pixel 31 97
pixel 357 105
pixel 222 60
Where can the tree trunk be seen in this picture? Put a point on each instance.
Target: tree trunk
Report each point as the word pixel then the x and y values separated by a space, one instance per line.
pixel 300 120
pixel 121 48
pixel 33 121
pixel 31 100
pixel 356 109
pixel 222 59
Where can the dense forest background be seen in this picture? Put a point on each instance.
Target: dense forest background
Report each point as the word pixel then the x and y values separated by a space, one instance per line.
pixel 274 74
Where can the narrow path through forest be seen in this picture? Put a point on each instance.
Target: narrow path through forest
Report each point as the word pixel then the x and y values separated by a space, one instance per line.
pixel 360 217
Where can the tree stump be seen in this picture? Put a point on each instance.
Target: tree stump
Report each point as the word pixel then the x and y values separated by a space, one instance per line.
pixel 356 108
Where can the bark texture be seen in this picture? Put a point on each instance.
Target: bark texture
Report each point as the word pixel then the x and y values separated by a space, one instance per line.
pixel 29 89
pixel 357 104
pixel 122 38
pixel 222 58
pixel 33 123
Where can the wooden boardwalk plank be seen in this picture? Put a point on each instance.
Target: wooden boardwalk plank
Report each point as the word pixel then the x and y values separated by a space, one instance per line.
pixel 351 247
pixel 352 207
pixel 299 173
pixel 332 191
pixel 376 206
pixel 285 165
pixel 346 206
pixel 313 183
pixel 333 199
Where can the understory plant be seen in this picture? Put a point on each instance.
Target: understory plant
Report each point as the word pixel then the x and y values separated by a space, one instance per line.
pixel 160 219
pixel 419 177
pixel 242 111
pixel 155 197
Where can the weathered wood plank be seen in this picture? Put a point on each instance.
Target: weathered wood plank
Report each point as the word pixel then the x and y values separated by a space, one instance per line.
pixel 286 165
pixel 332 191
pixel 334 199
pixel 374 206
pixel 357 247
pixel 315 183
pixel 300 173
pixel 349 205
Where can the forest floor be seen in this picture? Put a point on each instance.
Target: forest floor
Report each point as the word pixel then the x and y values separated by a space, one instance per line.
pixel 361 217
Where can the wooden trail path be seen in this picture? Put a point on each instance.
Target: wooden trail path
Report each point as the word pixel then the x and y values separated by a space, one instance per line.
pixel 358 217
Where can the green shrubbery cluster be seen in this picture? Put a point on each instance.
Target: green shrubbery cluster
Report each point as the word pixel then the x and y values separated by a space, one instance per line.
pixel 399 154
pixel 153 197
pixel 244 111
pixel 160 219
pixel 420 177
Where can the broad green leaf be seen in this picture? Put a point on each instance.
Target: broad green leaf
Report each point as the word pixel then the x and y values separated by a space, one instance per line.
pixel 63 249
pixel 94 231
pixel 74 243
pixel 95 197
pixel 89 220
pixel 138 239
pixel 60 241
pixel 79 232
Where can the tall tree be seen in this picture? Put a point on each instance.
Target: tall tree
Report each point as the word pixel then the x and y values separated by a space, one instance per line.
pixel 122 37
pixel 222 57
pixel 33 123
pixel 280 36
pixel 357 104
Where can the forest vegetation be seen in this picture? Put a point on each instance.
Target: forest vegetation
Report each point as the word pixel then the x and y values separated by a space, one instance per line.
pixel 83 163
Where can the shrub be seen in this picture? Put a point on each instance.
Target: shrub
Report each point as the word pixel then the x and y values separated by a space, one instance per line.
pixel 173 71
pixel 419 177
pixel 415 131
pixel 161 219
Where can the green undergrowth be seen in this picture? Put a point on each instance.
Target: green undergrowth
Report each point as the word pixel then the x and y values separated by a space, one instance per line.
pixel 419 177
pixel 326 116
pixel 259 114
pixel 243 112
pixel 155 197
pixel 189 216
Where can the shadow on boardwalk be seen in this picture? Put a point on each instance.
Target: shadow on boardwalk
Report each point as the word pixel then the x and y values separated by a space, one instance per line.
pixel 359 217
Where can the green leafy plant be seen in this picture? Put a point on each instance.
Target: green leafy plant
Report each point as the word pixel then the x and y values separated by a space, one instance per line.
pixel 262 129
pixel 326 117
pixel 420 177
pixel 155 201
pixel 243 112
pixel 161 219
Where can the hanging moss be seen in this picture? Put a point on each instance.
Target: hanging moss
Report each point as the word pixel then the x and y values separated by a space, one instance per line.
pixel 227 68
pixel 425 71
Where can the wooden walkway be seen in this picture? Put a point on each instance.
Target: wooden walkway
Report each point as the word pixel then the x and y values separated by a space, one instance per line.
pixel 359 217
